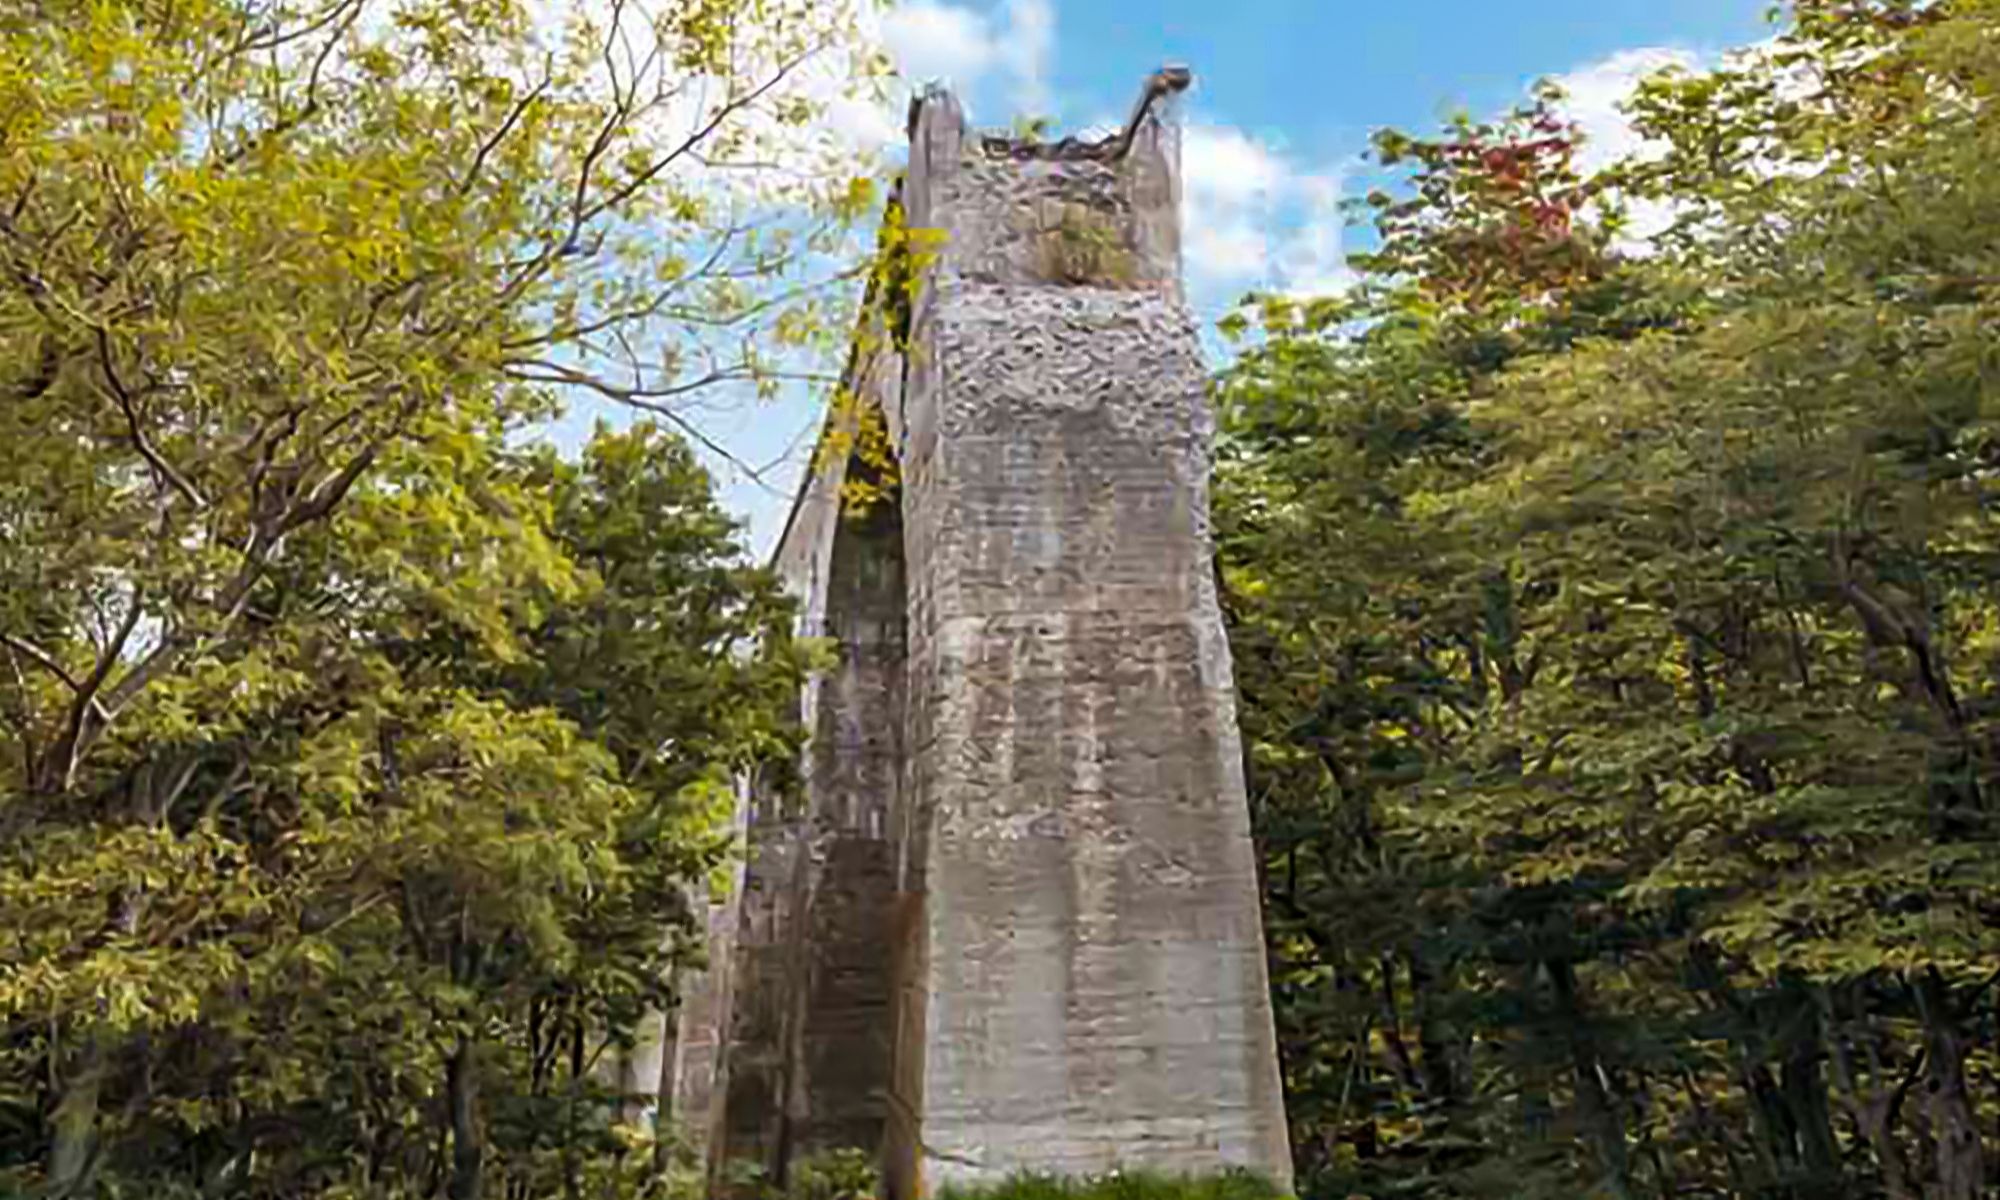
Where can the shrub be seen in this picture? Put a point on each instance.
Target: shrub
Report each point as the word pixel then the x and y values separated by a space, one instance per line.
pixel 1122 1185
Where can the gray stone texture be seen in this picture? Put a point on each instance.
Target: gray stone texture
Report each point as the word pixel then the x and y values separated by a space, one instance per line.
pixel 1012 923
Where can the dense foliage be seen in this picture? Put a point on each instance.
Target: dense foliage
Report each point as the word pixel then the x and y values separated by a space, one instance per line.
pixel 358 764
pixel 1618 628
pixel 1128 1185
pixel 1620 642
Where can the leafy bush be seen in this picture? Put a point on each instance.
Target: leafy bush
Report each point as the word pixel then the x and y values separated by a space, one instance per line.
pixel 1122 1185
pixel 834 1175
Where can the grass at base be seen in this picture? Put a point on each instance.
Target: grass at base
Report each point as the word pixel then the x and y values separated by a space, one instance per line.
pixel 1123 1185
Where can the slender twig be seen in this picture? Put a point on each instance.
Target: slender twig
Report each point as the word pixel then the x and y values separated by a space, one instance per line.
pixel 499 135
pixel 700 134
pixel 311 107
pixel 648 399
pixel 41 658
pixel 163 471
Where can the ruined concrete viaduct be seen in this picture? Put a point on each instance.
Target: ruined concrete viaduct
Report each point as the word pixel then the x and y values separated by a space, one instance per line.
pixel 1010 918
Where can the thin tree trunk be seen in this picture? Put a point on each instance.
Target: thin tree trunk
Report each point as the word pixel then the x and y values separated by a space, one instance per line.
pixel 468 1152
pixel 1804 1094
pixel 1872 1108
pixel 1773 1134
pixel 666 1111
pixel 1802 1086
pixel 1959 1157
pixel 73 1155
pixel 576 1068
pixel 1392 1030
pixel 1593 1098
pixel 73 1152
pixel 1437 1041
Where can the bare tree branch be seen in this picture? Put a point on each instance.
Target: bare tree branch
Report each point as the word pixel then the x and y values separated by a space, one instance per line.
pixel 513 118
pixel 640 181
pixel 163 471
pixel 346 13
pixel 649 398
pixel 48 662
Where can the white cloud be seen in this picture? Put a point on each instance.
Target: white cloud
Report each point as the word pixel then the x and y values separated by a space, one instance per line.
pixel 1315 254
pixel 938 41
pixel 863 122
pixel 1028 49
pixel 1254 217
pixel 1595 94
pixel 967 47
pixel 1594 98
pixel 1229 166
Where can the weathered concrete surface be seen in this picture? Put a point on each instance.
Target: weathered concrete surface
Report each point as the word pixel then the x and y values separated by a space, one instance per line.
pixel 1094 980
pixel 1014 922
pixel 838 1076
pixel 806 1017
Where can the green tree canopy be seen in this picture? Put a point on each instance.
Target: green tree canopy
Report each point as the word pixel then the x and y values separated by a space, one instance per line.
pixel 360 770
pixel 1618 636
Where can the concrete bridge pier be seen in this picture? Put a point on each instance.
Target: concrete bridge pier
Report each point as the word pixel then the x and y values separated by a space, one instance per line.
pixel 1012 923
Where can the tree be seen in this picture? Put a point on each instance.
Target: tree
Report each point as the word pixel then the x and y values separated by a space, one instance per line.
pixel 437 867
pixel 301 837
pixel 1628 762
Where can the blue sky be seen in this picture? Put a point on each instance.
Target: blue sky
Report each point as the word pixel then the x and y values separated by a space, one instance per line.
pixel 1286 95
pixel 1320 73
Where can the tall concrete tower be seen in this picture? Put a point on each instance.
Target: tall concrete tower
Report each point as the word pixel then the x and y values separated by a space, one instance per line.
pixel 1009 920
